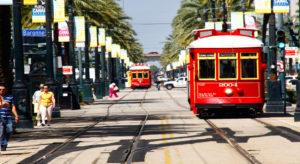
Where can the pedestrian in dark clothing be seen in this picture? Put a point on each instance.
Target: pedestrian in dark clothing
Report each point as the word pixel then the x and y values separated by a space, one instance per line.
pixel 6 117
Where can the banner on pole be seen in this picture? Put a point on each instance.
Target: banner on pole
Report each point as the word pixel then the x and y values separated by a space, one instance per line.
pixel 80 31
pixel 93 36
pixel 63 32
pixel 262 6
pixel 6 2
pixel 281 6
pixel 101 37
pixel 237 20
pixel 30 2
pixel 39 14
pixel 108 44
pixel 58 10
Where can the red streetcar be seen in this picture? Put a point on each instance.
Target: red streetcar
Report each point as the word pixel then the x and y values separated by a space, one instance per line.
pixel 226 72
pixel 140 75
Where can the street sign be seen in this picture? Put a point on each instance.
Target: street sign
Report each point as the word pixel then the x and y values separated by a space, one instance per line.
pixel 34 33
pixel 291 52
pixel 262 6
pixel 67 70
pixel 279 66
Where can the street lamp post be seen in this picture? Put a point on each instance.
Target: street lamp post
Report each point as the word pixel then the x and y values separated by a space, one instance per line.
pixel 19 90
pixel 274 103
pixel 72 83
pixel 49 58
pixel 97 84
pixel 104 82
pixel 87 88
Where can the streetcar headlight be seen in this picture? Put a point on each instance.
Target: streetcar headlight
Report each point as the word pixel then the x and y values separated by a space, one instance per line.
pixel 228 92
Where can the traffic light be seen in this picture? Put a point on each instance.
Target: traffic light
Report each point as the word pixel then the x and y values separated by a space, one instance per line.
pixel 280 35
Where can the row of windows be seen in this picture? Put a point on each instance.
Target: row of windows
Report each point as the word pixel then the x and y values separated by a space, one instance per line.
pixel 140 74
pixel 228 66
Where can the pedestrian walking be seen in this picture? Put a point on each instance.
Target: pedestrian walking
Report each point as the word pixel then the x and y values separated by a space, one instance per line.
pixel 35 101
pixel 46 105
pixel 113 90
pixel 8 107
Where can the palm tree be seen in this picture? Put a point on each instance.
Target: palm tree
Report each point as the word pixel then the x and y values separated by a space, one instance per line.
pixel 102 12
pixel 185 22
pixel 6 76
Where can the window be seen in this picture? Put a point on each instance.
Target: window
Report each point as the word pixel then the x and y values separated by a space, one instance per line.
pixel 249 65
pixel 140 75
pixel 207 66
pixel 133 74
pixel 146 75
pixel 228 65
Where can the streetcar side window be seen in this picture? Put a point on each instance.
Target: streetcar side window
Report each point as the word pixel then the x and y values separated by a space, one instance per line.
pixel 140 75
pixel 146 75
pixel 228 65
pixel 206 66
pixel 133 74
pixel 249 64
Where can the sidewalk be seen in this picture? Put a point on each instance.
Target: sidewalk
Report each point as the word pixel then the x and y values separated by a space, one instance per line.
pixel 26 143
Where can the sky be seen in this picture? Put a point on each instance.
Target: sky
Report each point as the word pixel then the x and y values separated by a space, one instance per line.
pixel 151 20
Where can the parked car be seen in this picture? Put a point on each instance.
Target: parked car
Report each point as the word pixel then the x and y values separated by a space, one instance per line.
pixel 161 79
pixel 178 83
pixel 290 83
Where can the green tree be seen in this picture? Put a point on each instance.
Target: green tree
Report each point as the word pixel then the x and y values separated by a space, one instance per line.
pixel 102 12
pixel 185 22
pixel 154 69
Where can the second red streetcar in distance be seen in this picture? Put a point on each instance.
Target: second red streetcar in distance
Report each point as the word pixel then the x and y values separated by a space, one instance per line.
pixel 140 76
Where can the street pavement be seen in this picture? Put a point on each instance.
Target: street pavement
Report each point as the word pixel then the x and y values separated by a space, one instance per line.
pixel 172 134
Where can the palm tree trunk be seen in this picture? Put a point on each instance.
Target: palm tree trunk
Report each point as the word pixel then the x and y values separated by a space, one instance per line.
pixel 6 76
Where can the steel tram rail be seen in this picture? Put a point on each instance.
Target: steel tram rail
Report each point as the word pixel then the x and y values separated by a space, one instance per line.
pixel 222 134
pixel 79 133
pixel 129 154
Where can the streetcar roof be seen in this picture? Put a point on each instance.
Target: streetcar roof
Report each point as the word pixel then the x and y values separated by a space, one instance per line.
pixel 226 41
pixel 139 67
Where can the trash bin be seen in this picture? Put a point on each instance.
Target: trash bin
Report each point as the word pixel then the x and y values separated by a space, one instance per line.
pixel 66 98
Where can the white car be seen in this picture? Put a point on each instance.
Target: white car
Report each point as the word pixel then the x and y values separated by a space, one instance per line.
pixel 162 79
pixel 181 82
pixel 289 83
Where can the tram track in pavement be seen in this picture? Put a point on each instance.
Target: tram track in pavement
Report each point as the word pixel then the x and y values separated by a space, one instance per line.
pixel 78 133
pixel 129 153
pixel 224 136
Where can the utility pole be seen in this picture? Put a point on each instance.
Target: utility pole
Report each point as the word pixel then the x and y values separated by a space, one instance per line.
pixel 72 83
pixel 244 9
pixel 49 58
pixel 213 10
pixel 19 90
pixel 87 90
pixel 224 25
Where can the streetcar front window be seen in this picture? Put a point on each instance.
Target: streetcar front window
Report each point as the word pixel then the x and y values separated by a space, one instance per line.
pixel 228 68
pixel 140 75
pixel 207 69
pixel 207 66
pixel 146 75
pixel 133 75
